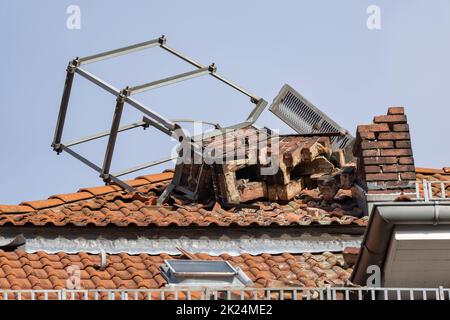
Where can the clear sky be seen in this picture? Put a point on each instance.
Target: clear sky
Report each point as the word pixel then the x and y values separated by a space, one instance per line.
pixel 322 48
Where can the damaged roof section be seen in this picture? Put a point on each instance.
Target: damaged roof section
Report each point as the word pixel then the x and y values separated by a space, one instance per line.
pixel 121 209
pixel 250 165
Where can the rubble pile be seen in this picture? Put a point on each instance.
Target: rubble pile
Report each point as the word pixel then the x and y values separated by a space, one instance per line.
pixel 236 171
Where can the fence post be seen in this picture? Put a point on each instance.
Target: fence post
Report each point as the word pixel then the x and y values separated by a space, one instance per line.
pixel 329 293
pixel 441 293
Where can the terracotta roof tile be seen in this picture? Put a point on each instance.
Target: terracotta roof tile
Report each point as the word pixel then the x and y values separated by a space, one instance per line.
pixel 72 197
pixel 152 178
pixel 97 191
pixel 434 175
pixel 142 271
pixel 41 204
pixel 108 205
pixel 15 209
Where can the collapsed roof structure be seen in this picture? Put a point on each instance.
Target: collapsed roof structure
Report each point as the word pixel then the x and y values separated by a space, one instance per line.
pixel 314 209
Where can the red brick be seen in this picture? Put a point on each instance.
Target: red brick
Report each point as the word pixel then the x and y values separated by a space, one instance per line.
pixel 403 144
pixel 372 169
pixel 406 160
pixel 394 136
pixel 380 160
pixel 367 135
pixel 381 176
pixel 390 119
pixel 396 110
pixel 401 127
pixel 408 175
pixel 397 168
pixel 377 144
pixel 395 152
pixel 371 153
pixel 381 127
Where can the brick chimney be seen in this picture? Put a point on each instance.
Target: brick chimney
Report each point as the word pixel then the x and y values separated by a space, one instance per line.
pixel 385 159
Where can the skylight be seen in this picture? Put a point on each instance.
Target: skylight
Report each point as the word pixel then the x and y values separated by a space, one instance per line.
pixel 203 273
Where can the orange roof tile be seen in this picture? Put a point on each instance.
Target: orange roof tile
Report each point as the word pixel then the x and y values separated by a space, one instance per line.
pixel 97 191
pixel 41 204
pixel 434 175
pixel 152 178
pixel 72 197
pixel 50 271
pixel 15 209
pixel 109 206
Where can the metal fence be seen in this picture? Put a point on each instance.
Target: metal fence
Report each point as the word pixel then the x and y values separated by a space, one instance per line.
pixel 298 293
pixel 432 190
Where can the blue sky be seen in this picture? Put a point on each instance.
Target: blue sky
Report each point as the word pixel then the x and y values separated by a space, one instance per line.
pixel 321 48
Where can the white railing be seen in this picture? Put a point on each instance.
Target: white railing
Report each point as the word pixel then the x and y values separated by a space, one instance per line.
pixel 425 191
pixel 298 293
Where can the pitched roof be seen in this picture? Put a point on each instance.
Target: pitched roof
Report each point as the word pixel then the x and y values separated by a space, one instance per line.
pixel 434 175
pixel 21 270
pixel 110 206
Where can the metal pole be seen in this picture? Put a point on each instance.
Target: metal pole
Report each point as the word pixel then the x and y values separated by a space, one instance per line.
pixel 101 83
pixel 171 80
pixel 120 51
pixel 113 135
pixel 254 98
pixel 63 106
pixel 143 166
pixel 144 124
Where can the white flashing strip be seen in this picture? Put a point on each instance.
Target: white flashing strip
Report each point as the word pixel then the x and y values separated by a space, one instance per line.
pixel 231 246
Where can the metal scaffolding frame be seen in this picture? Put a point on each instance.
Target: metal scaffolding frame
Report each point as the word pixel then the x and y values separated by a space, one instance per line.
pixel 123 97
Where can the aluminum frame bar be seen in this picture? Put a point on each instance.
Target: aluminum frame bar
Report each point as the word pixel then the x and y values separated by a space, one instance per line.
pixel 102 134
pixel 96 168
pixel 143 166
pixel 168 125
pixel 99 82
pixel 113 137
pixel 254 98
pixel 119 52
pixel 169 80
pixel 63 107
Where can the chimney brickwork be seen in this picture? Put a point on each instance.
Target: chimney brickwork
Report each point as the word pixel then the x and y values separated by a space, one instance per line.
pixel 385 157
